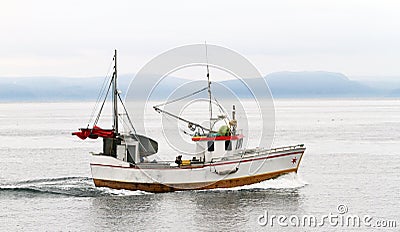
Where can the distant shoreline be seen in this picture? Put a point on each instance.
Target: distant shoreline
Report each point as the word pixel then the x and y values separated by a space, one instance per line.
pixel 275 98
pixel 299 85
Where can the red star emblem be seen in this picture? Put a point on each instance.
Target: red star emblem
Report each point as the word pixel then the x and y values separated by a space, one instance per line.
pixel 294 160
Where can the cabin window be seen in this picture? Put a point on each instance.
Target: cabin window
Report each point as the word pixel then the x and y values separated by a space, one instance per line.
pixel 239 143
pixel 228 145
pixel 210 145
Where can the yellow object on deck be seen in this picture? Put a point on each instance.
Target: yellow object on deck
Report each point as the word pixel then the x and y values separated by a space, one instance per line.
pixel 185 162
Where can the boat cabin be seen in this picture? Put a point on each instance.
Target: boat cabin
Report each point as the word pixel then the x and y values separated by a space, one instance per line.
pixel 130 148
pixel 216 146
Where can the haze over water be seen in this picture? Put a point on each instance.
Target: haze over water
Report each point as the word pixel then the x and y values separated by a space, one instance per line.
pixel 351 159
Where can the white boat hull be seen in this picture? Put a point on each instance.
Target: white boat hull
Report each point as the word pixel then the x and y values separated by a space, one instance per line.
pixel 110 172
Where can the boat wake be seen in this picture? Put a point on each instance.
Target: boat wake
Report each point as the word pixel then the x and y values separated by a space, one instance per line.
pixel 84 187
pixel 287 181
pixel 64 186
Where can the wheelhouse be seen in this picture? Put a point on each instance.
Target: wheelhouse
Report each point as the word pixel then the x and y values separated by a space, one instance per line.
pixel 217 146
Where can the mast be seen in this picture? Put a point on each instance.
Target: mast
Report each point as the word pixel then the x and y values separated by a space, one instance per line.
pixel 209 89
pixel 115 94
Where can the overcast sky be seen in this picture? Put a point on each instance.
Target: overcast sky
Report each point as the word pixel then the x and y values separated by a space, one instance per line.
pixel 76 38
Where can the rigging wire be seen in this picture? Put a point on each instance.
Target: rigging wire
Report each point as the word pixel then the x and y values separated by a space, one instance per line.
pixel 124 122
pixel 221 110
pixel 127 115
pixel 104 101
pixel 131 124
pixel 103 88
pixel 181 98
pixel 180 118
pixel 172 122
pixel 156 107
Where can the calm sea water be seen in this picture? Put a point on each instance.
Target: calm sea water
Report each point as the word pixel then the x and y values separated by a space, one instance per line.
pixel 352 159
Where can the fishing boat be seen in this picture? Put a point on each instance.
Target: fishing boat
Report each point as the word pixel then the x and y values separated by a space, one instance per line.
pixel 219 160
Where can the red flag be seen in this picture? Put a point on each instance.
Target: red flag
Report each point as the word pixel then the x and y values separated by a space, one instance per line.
pixel 83 133
pixel 102 132
pixel 94 133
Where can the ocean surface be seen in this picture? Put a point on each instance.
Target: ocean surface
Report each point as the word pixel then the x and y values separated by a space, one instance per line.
pixel 352 163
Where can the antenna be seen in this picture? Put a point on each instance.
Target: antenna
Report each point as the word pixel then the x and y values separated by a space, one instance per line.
pixel 209 87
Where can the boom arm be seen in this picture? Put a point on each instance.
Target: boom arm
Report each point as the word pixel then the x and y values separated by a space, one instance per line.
pixel 182 119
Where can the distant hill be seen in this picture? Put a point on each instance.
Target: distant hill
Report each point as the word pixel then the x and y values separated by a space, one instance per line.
pixel 317 84
pixel 282 84
pixel 394 93
pixel 63 88
pixel 52 88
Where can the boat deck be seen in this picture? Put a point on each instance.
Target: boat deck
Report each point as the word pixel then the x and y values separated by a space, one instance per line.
pixel 245 153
